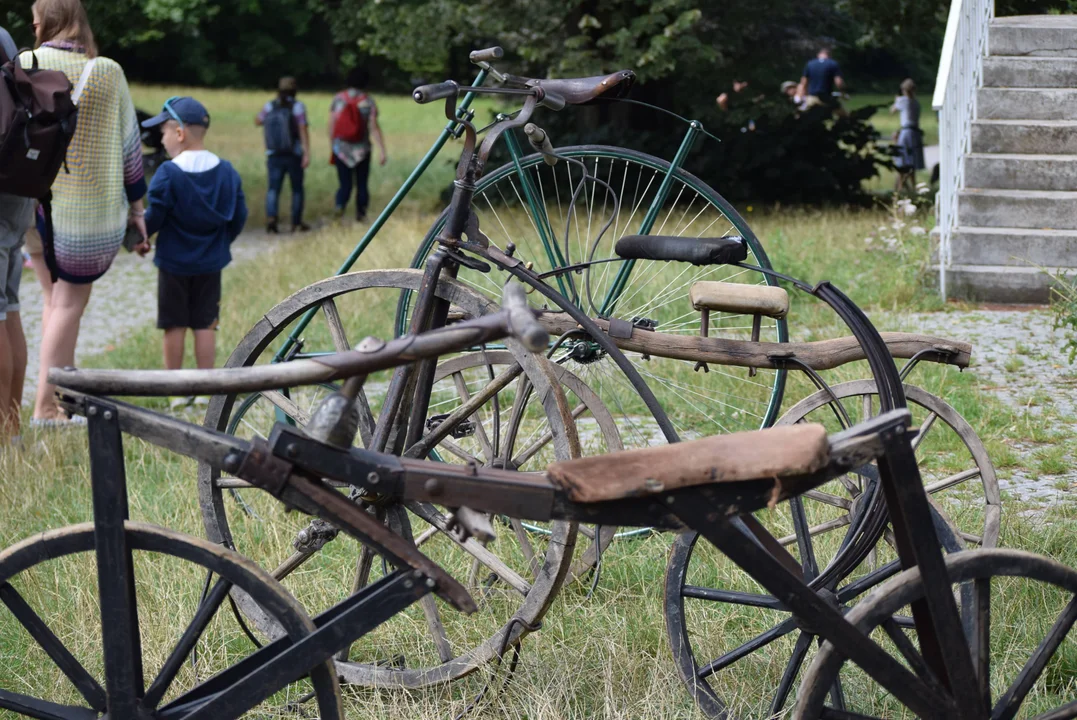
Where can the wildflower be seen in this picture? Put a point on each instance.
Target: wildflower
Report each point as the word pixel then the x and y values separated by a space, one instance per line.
pixel 910 209
pixel 868 240
pixel 917 230
pixel 897 224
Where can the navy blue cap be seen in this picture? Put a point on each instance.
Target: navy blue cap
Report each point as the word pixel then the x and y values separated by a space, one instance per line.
pixel 185 110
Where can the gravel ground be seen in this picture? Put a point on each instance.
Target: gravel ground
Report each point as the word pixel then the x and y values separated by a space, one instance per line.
pixel 1016 357
pixel 124 299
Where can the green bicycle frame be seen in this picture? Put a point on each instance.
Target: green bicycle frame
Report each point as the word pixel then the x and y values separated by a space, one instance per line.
pixel 446 133
pixel 547 235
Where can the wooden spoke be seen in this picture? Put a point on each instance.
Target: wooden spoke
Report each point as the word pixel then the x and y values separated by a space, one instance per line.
pixel 88 688
pixel 336 327
pixel 731 597
pixel 829 499
pixel 818 529
pixel 426 535
pixel 955 479
pixel 1010 702
pixel 431 515
pixel 42 709
pixel 232 483
pixel 459 451
pixel 800 651
pixel 287 406
pixel 206 610
pixel 969 537
pixel 436 628
pixel 924 429
pixel 760 641
pixel 908 650
pixel 980 637
pixel 865 407
pixel 587 531
pixel 480 430
pixel 525 546
pixel 362 579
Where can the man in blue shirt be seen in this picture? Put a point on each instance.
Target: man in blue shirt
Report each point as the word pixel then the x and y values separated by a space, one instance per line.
pixel 819 79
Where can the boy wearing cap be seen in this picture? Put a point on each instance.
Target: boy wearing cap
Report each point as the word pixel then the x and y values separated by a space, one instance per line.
pixel 196 209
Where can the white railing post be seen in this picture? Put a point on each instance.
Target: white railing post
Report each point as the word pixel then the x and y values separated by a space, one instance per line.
pixel 960 77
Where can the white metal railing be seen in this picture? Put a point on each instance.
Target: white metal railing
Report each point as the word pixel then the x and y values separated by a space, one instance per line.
pixel 960 77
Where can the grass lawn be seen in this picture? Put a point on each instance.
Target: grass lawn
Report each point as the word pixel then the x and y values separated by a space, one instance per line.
pixel 600 656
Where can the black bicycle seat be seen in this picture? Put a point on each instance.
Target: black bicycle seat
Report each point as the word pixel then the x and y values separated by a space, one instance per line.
pixel 698 251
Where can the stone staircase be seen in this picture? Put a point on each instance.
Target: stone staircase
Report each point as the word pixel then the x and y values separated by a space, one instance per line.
pixel 1018 211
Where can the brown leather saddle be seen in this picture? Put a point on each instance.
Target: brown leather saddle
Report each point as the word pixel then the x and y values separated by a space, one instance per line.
pixel 579 91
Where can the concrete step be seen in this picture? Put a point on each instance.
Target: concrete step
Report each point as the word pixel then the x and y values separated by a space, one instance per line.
pixel 1024 136
pixel 1026 104
pixel 1030 72
pixel 1018 247
pixel 1048 209
pixel 1021 172
pixel 1034 35
pixel 1001 284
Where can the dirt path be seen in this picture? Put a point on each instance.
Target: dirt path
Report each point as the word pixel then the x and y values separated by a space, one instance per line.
pixel 123 300
pixel 1016 356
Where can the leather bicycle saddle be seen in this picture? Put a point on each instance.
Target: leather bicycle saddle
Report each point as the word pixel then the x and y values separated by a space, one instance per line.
pixel 578 91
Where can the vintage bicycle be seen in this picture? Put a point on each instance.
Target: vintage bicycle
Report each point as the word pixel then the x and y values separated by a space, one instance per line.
pixel 471 409
pixel 948 667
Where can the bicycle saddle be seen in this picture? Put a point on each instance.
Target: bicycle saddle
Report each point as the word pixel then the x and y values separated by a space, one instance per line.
pixel 578 91
pixel 698 251
pixel 774 453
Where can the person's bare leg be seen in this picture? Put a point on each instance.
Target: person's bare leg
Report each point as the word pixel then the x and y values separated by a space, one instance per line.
pixel 17 340
pixel 58 339
pixel 7 367
pixel 205 348
pixel 173 347
pixel 44 279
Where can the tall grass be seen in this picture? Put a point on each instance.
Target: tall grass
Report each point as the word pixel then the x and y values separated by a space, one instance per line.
pixel 602 656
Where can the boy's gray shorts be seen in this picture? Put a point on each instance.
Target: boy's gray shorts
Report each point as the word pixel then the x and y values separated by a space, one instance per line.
pixel 16 217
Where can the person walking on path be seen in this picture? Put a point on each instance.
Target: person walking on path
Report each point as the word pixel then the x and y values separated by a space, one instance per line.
pixel 197 209
pixel 819 79
pixel 353 124
pixel 16 218
pixel 909 138
pixel 96 199
pixel 287 139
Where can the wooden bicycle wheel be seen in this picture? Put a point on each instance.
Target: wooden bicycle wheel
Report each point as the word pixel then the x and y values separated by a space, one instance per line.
pixel 514 584
pixel 727 633
pixel 45 583
pixel 1017 608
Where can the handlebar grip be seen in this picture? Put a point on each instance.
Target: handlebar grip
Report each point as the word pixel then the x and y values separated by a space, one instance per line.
pixel 494 53
pixel 540 140
pixel 521 320
pixel 438 91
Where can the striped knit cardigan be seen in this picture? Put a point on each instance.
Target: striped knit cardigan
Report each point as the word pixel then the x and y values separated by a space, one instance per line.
pixel 90 199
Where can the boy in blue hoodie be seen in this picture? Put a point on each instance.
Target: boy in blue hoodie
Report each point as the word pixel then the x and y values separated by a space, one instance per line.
pixel 197 209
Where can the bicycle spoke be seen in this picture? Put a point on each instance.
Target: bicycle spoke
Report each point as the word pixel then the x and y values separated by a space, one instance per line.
pixel 796 660
pixel 436 628
pixel 760 641
pixel 924 429
pixel 88 688
pixel 980 639
pixel 431 515
pixel 731 597
pixel 42 709
pixel 287 406
pixel 955 479
pixel 336 327
pixel 829 499
pixel 206 610
pixel 1010 702
pixel 908 651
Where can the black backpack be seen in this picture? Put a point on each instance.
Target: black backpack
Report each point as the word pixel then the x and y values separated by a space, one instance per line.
pixel 280 128
pixel 37 122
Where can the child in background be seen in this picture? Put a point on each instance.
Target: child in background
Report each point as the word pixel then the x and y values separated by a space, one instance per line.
pixel 197 209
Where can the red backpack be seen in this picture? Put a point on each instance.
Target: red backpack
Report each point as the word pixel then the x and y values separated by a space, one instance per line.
pixel 350 125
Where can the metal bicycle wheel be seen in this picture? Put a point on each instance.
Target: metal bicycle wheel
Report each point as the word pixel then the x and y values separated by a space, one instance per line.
pixel 727 634
pixel 514 588
pixel 532 204
pixel 1017 608
pixel 54 615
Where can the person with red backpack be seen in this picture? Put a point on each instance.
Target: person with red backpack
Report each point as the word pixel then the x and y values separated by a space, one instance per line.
pixel 353 124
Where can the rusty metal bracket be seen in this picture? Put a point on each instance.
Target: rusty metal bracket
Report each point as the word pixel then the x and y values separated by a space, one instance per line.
pixel 262 468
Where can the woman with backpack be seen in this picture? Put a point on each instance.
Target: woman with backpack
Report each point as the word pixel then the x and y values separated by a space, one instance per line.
pixel 96 198
pixel 353 123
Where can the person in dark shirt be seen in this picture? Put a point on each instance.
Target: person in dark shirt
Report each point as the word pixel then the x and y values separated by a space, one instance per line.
pixel 819 79
pixel 197 209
